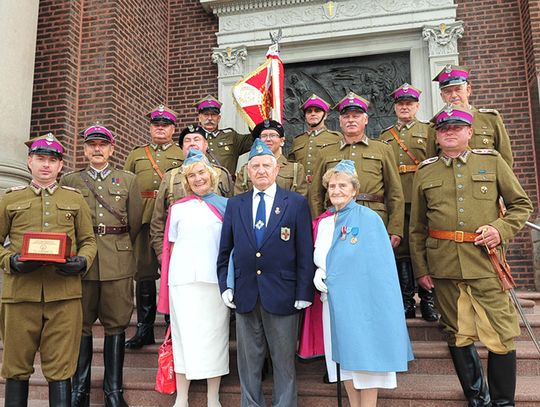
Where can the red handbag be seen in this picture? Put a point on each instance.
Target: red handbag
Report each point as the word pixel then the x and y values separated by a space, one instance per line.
pixel 165 377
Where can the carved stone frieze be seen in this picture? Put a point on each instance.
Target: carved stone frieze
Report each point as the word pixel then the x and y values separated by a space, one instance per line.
pixel 229 60
pixel 442 39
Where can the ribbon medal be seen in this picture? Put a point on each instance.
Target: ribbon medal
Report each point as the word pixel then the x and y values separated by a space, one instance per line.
pixel 343 232
pixel 354 232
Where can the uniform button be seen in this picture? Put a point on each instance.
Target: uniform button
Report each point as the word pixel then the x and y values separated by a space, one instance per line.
pixel 211 149
pixel 259 272
pixel 100 215
pixel 459 175
pixel 401 163
pixel 460 186
pixel 155 173
pixel 309 155
pixel 458 165
pixel 354 146
pixel 157 154
pixel 46 202
pixel 353 154
pixel 310 147
pixel 401 154
pixel 461 223
pixel 47 213
pixel 258 254
pixel 157 161
pixel 46 224
pixel 308 172
pixel 46 194
pixel 101 206
pixel 99 187
pixel 460 199
pixel 461 210
pixel 155 182
pixel 309 162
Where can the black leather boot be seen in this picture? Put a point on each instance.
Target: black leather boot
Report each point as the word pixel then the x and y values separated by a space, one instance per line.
pixel 406 283
pixel 16 394
pixel 60 393
pixel 471 375
pixel 502 379
pixel 113 355
pixel 146 315
pixel 427 307
pixel 80 382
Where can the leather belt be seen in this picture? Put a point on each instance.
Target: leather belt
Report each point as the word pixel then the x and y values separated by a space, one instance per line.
pixel 403 169
pixel 149 194
pixel 370 197
pixel 102 229
pixel 457 236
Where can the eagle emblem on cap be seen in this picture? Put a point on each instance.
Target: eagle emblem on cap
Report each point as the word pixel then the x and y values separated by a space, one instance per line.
pixel 448 68
pixel 449 110
pixel 259 149
pixel 191 128
pixel 406 87
pixel 161 108
pixel 266 123
pixel 49 137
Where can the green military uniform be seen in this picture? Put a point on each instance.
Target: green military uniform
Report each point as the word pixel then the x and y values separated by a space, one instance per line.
pixel 419 138
pixel 305 148
pixel 41 310
pixel 461 194
pixel 291 177
pixel 489 132
pixel 148 180
pixel 380 187
pixel 225 146
pixel 171 190
pixel 108 285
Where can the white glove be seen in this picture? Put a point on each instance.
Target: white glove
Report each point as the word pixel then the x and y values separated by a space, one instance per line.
pixel 227 297
pixel 320 275
pixel 301 304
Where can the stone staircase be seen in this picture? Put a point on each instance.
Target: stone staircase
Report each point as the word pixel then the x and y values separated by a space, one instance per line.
pixel 430 381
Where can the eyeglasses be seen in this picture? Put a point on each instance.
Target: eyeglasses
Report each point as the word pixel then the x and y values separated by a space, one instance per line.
pixel 269 136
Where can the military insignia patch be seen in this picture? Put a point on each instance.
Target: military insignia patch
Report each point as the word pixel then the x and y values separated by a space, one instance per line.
pixel 285 234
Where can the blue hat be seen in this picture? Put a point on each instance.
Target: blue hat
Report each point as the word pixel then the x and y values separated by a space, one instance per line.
pixel 346 166
pixel 259 147
pixel 195 156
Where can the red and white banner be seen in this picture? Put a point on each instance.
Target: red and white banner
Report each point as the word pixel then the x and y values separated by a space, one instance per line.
pixel 259 95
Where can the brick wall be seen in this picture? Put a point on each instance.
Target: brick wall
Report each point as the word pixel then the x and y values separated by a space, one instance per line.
pixel 192 75
pixel 492 47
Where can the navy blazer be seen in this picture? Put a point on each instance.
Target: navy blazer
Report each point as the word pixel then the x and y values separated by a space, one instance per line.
pixel 281 270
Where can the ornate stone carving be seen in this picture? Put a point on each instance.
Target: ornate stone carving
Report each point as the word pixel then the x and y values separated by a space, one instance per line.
pixel 442 39
pixel 229 60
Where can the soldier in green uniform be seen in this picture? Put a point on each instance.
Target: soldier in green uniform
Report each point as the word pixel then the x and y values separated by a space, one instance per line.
pixel 224 145
pixel 171 188
pixel 107 289
pixel 149 163
pixel 41 301
pixel 454 217
pixel 380 185
pixel 412 140
pixel 306 146
pixel 488 127
pixel 291 176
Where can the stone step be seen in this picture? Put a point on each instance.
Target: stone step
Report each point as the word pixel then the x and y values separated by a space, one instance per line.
pixel 416 390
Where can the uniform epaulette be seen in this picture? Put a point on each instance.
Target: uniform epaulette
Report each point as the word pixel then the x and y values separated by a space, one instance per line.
pixel 72 172
pixel 386 129
pixel 71 189
pixel 226 130
pixel 127 172
pixel 485 151
pixel 379 140
pixel 492 111
pixel 334 132
pixel 141 146
pixel 16 188
pixel 427 162
pixel 423 121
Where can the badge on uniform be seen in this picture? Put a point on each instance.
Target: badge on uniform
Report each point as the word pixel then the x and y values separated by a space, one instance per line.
pixel 285 233
pixel 69 216
pixel 226 148
pixel 277 211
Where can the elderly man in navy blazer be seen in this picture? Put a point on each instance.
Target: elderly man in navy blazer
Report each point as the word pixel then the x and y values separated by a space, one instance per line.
pixel 270 231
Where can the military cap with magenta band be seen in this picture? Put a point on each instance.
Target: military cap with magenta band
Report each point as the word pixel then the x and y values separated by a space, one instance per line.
pixel 162 114
pixel 453 114
pixel 452 75
pixel 406 92
pixel 267 124
pixel 316 101
pixel 209 103
pixel 352 102
pixel 47 144
pixel 97 132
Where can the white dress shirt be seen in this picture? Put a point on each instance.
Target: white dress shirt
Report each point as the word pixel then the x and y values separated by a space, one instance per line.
pixel 269 195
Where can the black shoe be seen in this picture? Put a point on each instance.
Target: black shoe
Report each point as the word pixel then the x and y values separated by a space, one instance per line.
pixel 427 306
pixel 16 393
pixel 471 375
pixel 80 382
pixel 146 315
pixel 502 379
pixel 60 393
pixel 406 284
pixel 113 357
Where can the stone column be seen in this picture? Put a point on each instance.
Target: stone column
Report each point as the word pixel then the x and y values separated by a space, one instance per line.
pixel 443 50
pixel 18 31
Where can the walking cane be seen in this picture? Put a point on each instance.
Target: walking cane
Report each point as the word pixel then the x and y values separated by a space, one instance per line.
pixel 338 372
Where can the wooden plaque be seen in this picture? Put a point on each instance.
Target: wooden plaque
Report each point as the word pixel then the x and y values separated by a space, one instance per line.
pixel 48 247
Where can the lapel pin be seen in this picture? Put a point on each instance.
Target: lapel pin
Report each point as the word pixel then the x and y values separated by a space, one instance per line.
pixel 277 211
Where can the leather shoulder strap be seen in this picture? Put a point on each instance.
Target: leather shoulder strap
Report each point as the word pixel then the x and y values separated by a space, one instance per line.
pixel 102 201
pixel 394 134
pixel 153 162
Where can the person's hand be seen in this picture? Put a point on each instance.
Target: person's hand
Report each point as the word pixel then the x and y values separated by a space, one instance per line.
pixel 489 236
pixel 320 275
pixel 395 240
pixel 74 266
pixel 426 282
pixel 22 267
pixel 301 304
pixel 227 297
